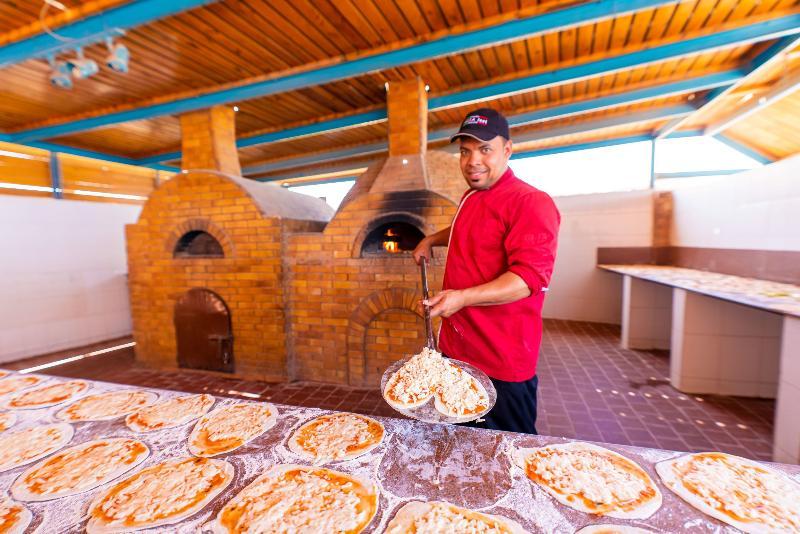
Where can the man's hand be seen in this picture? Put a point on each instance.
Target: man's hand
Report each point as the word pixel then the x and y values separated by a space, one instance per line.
pixel 446 303
pixel 423 250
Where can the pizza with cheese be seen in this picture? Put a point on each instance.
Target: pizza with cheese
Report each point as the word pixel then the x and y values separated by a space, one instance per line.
pixel 746 494
pixel 163 494
pixel 14 518
pixel 32 443
pixel 48 395
pixel 104 406
pixel 591 479
pixel 298 498
pixel 336 436
pixel 17 383
pixel 79 468
pixel 613 529
pixel 7 420
pixel 229 427
pixel 169 413
pixel 4 374
pixel 458 394
pixel 438 516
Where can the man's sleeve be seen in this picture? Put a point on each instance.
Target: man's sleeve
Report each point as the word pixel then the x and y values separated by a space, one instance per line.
pixel 532 239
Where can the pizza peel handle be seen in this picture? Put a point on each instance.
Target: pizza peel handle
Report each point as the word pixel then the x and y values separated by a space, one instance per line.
pixel 430 342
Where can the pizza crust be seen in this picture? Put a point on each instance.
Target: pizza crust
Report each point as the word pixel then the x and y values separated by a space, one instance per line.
pixel 229 427
pixel 13 384
pixel 14 518
pixel 106 406
pixel 7 420
pixel 47 395
pixel 588 479
pixel 160 477
pixel 613 529
pixel 341 435
pixel 785 493
pixel 275 500
pixel 435 516
pixel 16 448
pixel 78 465
pixel 169 413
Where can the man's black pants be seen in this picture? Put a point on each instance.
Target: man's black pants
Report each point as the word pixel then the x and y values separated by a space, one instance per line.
pixel 515 409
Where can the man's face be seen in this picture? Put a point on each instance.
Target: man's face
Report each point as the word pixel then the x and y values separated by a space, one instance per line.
pixel 484 162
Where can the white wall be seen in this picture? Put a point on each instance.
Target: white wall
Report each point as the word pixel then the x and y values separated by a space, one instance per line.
pixel 578 290
pixel 757 209
pixel 62 274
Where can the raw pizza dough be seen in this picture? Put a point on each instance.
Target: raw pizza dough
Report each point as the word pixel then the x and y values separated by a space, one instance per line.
pixel 14 518
pixel 591 479
pixel 163 494
pixel 746 494
pixel 613 529
pixel 169 413
pixel 229 427
pixel 7 420
pixel 104 406
pixel 458 394
pixel 438 516
pixel 17 383
pixel 30 444
pixel 336 436
pixel 298 498
pixel 78 469
pixel 45 396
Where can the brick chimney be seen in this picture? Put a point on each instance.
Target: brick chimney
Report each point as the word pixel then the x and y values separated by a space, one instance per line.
pixel 208 140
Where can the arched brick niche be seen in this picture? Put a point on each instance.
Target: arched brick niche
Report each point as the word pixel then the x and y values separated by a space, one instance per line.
pixel 385 327
pixel 188 227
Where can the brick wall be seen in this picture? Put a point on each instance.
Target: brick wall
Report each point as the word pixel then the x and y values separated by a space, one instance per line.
pixel 209 140
pixel 407 337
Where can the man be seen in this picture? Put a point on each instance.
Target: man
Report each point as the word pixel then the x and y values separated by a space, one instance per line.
pixel 502 246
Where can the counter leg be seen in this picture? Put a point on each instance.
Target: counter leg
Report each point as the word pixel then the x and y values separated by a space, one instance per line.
pixel 646 314
pixel 786 447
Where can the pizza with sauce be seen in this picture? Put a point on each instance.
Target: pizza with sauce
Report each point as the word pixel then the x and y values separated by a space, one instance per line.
pixel 47 395
pixel 613 529
pixel 336 436
pixel 32 443
pixel 591 479
pixel 169 413
pixel 438 516
pixel 7 420
pixel 229 427
pixel 298 498
pixel 105 406
pixel 14 518
pixel 163 494
pixel 745 494
pixel 79 468
pixel 18 383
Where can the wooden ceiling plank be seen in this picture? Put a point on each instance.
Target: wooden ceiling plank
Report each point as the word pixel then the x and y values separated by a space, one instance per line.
pixel 433 14
pixel 452 12
pixel 365 26
pixel 640 27
pixel 699 18
pixel 414 16
pixel 385 29
pixel 325 26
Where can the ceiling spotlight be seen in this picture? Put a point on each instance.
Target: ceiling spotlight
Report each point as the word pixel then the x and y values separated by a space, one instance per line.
pixel 83 68
pixel 118 56
pixel 235 108
pixel 60 73
pixel 691 97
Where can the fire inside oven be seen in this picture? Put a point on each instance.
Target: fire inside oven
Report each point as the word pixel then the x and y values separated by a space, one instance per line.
pixel 391 238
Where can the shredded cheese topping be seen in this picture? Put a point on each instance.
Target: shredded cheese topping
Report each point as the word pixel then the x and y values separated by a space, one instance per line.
pixel 105 405
pixel 10 513
pixel 15 383
pixel 442 517
pixel 331 437
pixel 81 467
pixel 300 500
pixel 54 393
pixel 19 447
pixel 427 373
pixel 742 490
pixel 170 413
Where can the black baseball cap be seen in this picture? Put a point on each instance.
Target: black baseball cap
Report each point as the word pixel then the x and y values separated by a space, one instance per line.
pixel 483 124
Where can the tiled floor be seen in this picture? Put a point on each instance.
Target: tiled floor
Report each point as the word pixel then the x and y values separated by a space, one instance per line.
pixel 589 389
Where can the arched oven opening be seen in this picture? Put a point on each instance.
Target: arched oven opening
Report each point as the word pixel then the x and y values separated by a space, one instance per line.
pixel 391 239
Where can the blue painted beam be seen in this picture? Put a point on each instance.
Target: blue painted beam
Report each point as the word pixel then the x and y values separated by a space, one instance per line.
pixel 129 15
pixel 696 174
pixel 55 176
pixel 505 32
pixel 292 175
pixel 744 149
pixel 581 146
pixel 333 155
pixel 338 179
pixel 53 147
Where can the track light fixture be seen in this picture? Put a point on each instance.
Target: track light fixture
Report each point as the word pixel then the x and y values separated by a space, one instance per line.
pixel 118 56
pixel 62 72
pixel 82 68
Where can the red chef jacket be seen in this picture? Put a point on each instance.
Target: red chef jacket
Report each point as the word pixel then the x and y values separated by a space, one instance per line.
pixel 512 226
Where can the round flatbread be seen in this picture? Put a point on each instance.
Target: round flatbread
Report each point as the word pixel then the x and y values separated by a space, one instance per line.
pixel 169 413
pixel 48 395
pixel 78 469
pixel 31 444
pixel 294 498
pixel 745 494
pixel 591 479
pixel 461 395
pixel 14 518
pixel 336 436
pixel 229 427
pixel 105 406
pixel 7 420
pixel 613 529
pixel 437 516
pixel 163 494
pixel 18 383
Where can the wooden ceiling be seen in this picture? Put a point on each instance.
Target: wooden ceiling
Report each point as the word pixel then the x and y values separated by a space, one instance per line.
pixel 231 43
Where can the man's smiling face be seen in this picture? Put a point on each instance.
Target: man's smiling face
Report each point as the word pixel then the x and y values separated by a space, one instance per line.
pixel 484 162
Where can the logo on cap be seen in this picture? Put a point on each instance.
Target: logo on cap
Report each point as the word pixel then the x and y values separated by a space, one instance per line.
pixel 476 119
